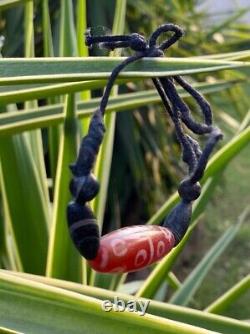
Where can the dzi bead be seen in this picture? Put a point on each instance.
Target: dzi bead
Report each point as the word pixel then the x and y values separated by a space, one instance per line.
pixel 132 248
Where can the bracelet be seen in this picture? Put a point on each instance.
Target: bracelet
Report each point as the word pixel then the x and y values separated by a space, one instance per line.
pixel 133 248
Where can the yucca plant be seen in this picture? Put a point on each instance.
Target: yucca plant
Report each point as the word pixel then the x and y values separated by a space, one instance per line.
pixel 46 102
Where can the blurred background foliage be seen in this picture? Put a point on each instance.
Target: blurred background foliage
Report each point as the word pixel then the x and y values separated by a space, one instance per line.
pixel 146 166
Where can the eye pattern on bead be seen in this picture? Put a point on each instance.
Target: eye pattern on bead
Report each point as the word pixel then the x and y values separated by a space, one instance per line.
pixel 133 248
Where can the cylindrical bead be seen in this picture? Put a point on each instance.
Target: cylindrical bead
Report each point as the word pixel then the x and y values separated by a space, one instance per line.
pixel 132 248
pixel 83 229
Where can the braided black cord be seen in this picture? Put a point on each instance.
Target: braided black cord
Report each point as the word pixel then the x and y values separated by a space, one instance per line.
pixel 185 113
pixel 178 33
pixel 202 102
pixel 189 155
pixel 84 187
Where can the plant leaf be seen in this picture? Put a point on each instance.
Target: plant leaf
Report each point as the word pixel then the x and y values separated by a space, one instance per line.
pixel 35 70
pixel 174 312
pixel 6 4
pixel 51 115
pixel 63 260
pixel 54 310
pixel 8 331
pixel 103 164
pixel 34 138
pixel 192 283
pixel 25 201
pixel 229 297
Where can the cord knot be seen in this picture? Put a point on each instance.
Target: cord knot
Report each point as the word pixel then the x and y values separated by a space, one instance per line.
pixel 138 42
pixel 189 191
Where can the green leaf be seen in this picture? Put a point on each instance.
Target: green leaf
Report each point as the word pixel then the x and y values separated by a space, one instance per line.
pixel 68 46
pixel 194 280
pixel 50 115
pixel 9 252
pixel 34 137
pixel 29 306
pixel 245 122
pixel 47 34
pixel 238 55
pixel 81 27
pixel 38 70
pixel 81 19
pixel 3 249
pixel 25 201
pixel 63 259
pixel 6 4
pixel 103 164
pixel 229 297
pixel 174 312
pixel 48 51
pixel 8 331
pixel 19 94
pixel 173 281
pixel 48 91
pixel 29 50
pixel 207 192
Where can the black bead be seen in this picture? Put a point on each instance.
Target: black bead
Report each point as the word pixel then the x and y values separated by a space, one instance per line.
pixel 76 212
pixel 85 235
pixel 84 230
pixel 84 188
pixel 188 191
pixel 89 248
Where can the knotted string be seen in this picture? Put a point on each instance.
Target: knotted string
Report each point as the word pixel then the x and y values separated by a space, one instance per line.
pixel 84 187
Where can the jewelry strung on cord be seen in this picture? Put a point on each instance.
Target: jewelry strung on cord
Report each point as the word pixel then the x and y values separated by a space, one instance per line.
pixel 135 247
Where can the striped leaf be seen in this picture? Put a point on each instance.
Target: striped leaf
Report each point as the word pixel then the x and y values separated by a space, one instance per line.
pixel 193 317
pixel 63 260
pixel 194 280
pixel 20 70
pixel 229 297
pixel 27 209
pixel 54 310
pixel 103 164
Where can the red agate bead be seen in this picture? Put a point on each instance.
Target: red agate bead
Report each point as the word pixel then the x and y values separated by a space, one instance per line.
pixel 132 248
